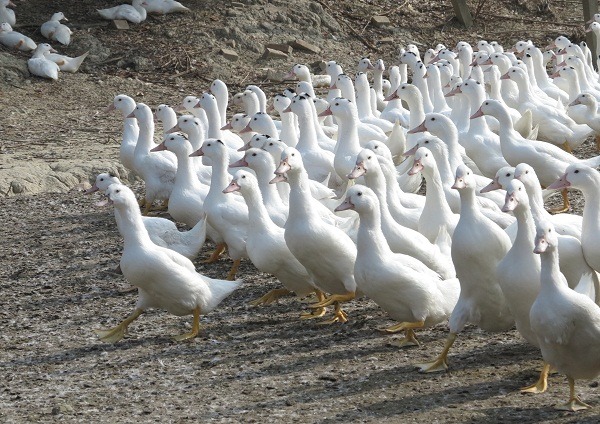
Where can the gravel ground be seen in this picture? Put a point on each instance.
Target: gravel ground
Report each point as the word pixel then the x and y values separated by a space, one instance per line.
pixel 249 364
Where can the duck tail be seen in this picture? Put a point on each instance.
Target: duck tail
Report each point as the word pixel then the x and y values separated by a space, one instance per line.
pixel 73 65
pixel 592 162
pixel 105 13
pixel 63 37
pixel 196 237
pixel 219 290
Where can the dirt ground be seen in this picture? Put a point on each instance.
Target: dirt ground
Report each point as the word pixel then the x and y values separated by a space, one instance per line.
pixel 249 364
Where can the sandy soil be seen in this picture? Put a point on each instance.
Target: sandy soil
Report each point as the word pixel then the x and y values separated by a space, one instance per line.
pixel 249 364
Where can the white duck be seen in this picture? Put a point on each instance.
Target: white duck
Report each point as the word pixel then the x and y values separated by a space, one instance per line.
pixel 401 285
pixel 126 106
pixel 165 279
pixel 590 115
pixel 219 89
pixel 66 63
pixel 186 202
pixel 401 239
pixel 39 66
pixel 327 252
pixel 162 7
pixel 478 245
pixel 289 130
pixel 437 218
pixel 549 161
pixel 7 15
pixel 156 169
pixel 228 215
pixel 194 129
pixel 566 323
pixel 55 31
pixel 236 124
pixel 133 12
pixel 166 115
pixel 263 165
pixel 162 232
pixel 208 103
pixel 587 180
pixel 15 40
pixel 266 244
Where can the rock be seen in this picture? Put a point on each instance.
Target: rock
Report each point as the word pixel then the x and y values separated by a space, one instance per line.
pixel 386 40
pixel 303 45
pixel 380 21
pixel 238 5
pixel 85 42
pixel 231 43
pixel 12 69
pixel 274 75
pixel 319 66
pixel 273 54
pixel 229 54
pixel 285 48
pixel 120 24
pixel 267 26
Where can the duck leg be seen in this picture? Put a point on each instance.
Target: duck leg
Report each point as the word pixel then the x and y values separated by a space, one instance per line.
pixel 195 328
pixel 147 207
pixel 338 316
pixel 214 257
pixel 317 312
pixel 164 206
pixel 598 143
pixel 567 147
pixel 565 207
pixel 441 362
pixel 541 385
pixel 409 335
pixel 334 298
pixel 270 297
pixel 574 403
pixel 234 269
pixel 115 334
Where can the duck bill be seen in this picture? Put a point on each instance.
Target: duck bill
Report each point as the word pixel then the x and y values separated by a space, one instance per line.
pixel 426 75
pixel 246 129
pixel 488 61
pixel 175 129
pixel 358 171
pixel 541 244
pixel 103 203
pixel 333 86
pixel 244 147
pixel 505 76
pixel 92 189
pixel 283 167
pixel 456 90
pixel 179 108
pixel 287 109
pixel 559 184
pixel 510 203
pixel 279 179
pixel 11 4
pixel 234 186
pixel 493 185
pixel 412 151
pixel 575 102
pixel 416 168
pixel 420 128
pixel 198 105
pixel 159 148
pixel 477 114
pixel 198 152
pixel 346 204
pixel 227 127
pixel 326 112
pixel 391 97
pixel 459 183
pixel 289 75
pixel 110 108
pixel 239 163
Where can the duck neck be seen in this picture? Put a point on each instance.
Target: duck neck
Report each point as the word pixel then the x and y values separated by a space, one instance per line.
pixel 170 121
pixel 591 209
pixel 146 135
pixel 468 205
pixel 185 175
pixel 536 202
pixel 416 110
pixel 477 126
pixel 220 177
pixel 370 239
pixel 307 139
pixel 550 276
pixel 363 100
pixel 257 211
pixel 214 120
pixel 539 69
pixel 348 142
pixel 525 227
pixel 435 199
pixel 130 225
pixel 460 112
pixel 300 201
pixel 421 84
pixel 195 137
pixel 495 93
pixel 288 135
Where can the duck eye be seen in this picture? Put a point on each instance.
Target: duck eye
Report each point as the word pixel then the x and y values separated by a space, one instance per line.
pixel 577 171
pixel 119 99
pixel 433 119
pixel 185 120
pixel 527 172
pixel 426 154
pixel 101 179
pixel 359 193
pixel 117 191
pixel 253 154
pixel 293 154
pixel 243 176
pixel 337 104
pixel 270 144
pixel 508 175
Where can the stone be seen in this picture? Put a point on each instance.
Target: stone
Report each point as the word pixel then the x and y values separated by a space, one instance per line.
pixel 229 54
pixel 274 54
pixel 303 45
pixel 274 75
pixel 121 24
pixel 231 43
pixel 238 5
pixel 380 21
pixel 386 40
pixel 285 48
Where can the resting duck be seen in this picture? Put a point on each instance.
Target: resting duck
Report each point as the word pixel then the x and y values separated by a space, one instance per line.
pixel 55 31
pixel 15 40
pixel 162 7
pixel 134 12
pixel 566 323
pixel 66 63
pixel 228 215
pixel 266 244
pixel 39 66
pixel 327 252
pixel 7 15
pixel 165 279
pixel 401 285
pixel 478 245
pixel 162 232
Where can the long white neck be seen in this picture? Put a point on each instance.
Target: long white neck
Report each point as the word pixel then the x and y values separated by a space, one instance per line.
pixel 307 139
pixel 185 176
pixel 591 211
pixel 476 126
pixel 550 276
pixel 348 141
pixel 300 202
pixel 363 100
pixel 214 120
pixel 460 112
pixel 370 240
pixel 525 227
pixel 288 134
pixel 469 209
pixel 435 198
pixel 257 211
pixel 146 136
pixel 131 226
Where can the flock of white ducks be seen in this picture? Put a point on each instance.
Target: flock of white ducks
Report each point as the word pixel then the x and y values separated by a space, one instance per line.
pixel 490 131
